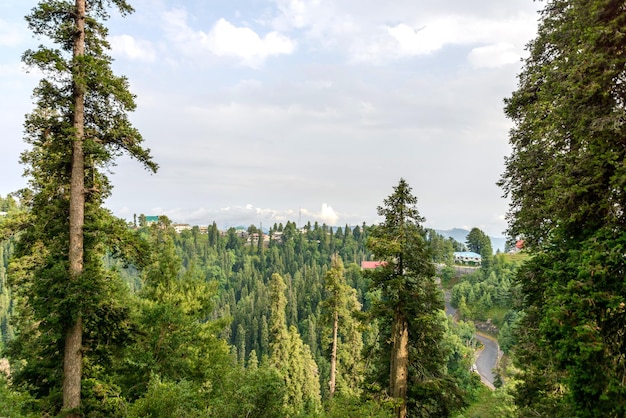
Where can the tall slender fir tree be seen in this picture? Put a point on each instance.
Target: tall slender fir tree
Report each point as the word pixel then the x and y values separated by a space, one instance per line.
pixel 79 126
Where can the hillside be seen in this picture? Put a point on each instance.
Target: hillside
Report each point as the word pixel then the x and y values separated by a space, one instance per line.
pixel 459 234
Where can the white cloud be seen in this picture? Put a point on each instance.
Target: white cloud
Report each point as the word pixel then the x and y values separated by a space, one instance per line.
pixel 492 56
pixel 225 39
pixel 294 13
pixel 505 37
pixel 321 24
pixel 176 28
pixel 363 30
pixel 419 41
pixel 134 49
pixel 241 215
pixel 328 215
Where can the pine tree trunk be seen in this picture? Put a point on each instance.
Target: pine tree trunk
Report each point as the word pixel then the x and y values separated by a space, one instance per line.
pixel 72 367
pixel 398 379
pixel 333 356
pixel 72 359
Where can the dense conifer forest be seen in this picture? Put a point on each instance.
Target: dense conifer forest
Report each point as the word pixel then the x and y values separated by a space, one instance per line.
pixel 240 322
pixel 100 317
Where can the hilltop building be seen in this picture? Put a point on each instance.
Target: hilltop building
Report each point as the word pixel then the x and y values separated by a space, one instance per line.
pixel 467 257
pixel 181 227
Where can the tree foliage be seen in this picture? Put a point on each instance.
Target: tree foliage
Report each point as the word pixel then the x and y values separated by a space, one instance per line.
pixel 488 289
pixel 184 290
pixel 291 357
pixel 478 242
pixel 410 351
pixel 338 309
pixel 78 127
pixel 566 178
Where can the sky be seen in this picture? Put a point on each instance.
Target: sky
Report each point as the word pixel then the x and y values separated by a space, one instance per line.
pixel 264 111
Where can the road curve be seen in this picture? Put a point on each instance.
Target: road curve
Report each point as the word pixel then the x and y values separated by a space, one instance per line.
pixel 487 359
pixel 488 356
pixel 450 311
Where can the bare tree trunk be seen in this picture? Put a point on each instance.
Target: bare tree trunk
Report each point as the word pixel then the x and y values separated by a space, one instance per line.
pixel 398 380
pixel 392 366
pixel 72 358
pixel 333 356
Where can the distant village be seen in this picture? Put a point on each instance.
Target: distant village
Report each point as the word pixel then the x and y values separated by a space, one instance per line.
pixel 467 258
pixel 240 231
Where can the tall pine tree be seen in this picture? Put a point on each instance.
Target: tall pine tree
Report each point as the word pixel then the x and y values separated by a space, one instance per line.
pixel 411 329
pixel 290 356
pixel 346 341
pixel 79 126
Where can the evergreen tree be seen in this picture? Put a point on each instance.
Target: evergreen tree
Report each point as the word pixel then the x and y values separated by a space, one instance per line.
pixel 174 340
pixel 346 340
pixel 566 179
pixel 264 337
pixel 409 302
pixel 8 204
pixel 478 242
pixel 441 248
pixel 290 356
pixel 79 126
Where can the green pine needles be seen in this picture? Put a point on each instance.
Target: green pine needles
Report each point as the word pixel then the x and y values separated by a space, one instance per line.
pixel 566 178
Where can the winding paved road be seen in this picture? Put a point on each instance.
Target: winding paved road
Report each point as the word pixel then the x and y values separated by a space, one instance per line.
pixel 487 359
pixel 488 356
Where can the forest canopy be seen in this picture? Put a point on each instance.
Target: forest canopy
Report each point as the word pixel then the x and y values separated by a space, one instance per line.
pixel 104 317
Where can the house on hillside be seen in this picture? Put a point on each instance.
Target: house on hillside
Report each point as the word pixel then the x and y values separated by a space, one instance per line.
pixel 254 238
pixel 181 227
pixel 467 257
pixel 370 265
pixel 519 245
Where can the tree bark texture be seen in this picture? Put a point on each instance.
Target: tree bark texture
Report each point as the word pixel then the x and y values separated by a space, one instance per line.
pixel 333 356
pixel 398 380
pixel 72 359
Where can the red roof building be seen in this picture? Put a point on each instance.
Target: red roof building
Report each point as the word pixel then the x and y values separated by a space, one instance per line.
pixel 369 265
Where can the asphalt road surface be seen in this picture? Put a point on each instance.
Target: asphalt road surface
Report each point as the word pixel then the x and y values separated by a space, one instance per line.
pixel 487 359
pixel 449 309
